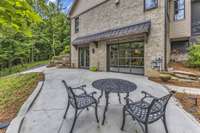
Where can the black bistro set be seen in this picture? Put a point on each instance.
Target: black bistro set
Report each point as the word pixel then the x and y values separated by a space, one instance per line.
pixel 146 111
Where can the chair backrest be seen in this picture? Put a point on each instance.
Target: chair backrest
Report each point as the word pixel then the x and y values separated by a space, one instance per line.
pixel 158 107
pixel 71 94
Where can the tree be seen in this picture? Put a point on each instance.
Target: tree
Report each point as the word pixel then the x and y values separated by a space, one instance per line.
pixel 58 29
pixel 16 16
pixel 45 38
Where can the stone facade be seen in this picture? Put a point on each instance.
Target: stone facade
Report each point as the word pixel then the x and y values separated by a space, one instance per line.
pixel 83 5
pixel 108 16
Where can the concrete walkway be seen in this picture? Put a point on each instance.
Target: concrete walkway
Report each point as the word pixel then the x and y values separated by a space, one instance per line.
pixel 46 114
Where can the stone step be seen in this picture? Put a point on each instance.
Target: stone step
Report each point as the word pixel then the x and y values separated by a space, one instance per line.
pixel 184 75
pixel 62 61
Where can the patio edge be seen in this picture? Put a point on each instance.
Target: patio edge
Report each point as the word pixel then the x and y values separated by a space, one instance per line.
pixel 180 107
pixel 17 122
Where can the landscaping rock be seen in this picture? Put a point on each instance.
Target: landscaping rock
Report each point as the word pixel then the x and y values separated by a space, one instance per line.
pixel 62 61
pixel 4 125
pixel 184 75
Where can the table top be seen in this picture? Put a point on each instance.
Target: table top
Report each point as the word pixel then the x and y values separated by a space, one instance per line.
pixel 114 85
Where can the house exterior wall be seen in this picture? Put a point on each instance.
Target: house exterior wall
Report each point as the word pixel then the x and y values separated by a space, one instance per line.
pixel 195 39
pixel 181 28
pixel 83 5
pixel 99 57
pixel 109 16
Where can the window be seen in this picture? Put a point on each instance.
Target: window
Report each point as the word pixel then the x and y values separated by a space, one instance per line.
pixel 179 9
pixel 77 25
pixel 150 4
pixel 179 47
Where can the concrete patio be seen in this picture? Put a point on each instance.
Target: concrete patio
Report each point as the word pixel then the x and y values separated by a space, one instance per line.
pixel 46 114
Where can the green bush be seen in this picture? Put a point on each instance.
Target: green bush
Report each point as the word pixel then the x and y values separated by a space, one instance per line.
pixel 93 69
pixel 194 56
pixel 165 77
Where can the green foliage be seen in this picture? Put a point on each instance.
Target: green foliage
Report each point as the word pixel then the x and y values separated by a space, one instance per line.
pixel 93 69
pixel 15 89
pixel 16 17
pixel 165 77
pixel 194 56
pixel 66 50
pixel 20 68
pixel 48 39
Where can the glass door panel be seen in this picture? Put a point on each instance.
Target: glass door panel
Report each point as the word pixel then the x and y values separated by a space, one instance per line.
pixel 127 57
pixel 84 57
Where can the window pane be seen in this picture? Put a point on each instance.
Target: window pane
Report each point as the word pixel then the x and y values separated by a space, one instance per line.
pixel 181 4
pixel 179 9
pixel 180 15
pixel 76 24
pixel 149 4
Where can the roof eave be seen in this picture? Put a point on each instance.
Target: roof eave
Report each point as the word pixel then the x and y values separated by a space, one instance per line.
pixel 72 7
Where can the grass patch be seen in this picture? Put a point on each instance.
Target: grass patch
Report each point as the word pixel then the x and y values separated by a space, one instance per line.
pixel 14 90
pixel 20 68
pixel 193 84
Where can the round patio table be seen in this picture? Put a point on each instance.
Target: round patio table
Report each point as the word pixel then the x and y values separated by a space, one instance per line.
pixel 113 86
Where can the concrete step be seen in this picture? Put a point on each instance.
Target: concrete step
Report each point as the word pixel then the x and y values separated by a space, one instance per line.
pixel 184 75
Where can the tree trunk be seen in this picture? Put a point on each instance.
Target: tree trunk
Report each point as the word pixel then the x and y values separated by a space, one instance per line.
pixel 53 47
pixel 32 53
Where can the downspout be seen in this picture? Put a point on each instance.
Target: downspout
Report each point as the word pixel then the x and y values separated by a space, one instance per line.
pixel 70 42
pixel 165 30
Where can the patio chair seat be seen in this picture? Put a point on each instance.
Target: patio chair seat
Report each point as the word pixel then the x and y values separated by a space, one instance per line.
pixel 139 111
pixel 83 101
pixel 80 102
pixel 147 111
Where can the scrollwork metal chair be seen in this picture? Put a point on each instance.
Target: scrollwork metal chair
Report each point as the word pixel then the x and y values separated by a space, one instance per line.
pixel 147 111
pixel 80 102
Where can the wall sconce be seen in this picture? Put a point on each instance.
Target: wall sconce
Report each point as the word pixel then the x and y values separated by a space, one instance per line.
pixel 96 44
pixel 117 2
pixel 93 50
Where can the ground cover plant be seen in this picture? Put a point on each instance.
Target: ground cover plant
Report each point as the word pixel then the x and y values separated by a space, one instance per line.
pixel 14 90
pixel 22 67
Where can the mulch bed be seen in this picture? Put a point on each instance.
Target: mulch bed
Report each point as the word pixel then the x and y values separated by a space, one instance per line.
pixel 182 67
pixel 190 103
pixel 194 84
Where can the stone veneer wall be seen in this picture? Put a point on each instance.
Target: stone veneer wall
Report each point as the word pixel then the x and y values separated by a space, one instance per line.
pixel 109 16
pixel 99 58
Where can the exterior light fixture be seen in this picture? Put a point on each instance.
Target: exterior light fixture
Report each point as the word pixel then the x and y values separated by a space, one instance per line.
pixel 93 50
pixel 96 44
pixel 117 2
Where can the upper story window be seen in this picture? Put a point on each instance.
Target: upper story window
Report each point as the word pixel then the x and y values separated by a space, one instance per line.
pixel 179 10
pixel 76 24
pixel 150 4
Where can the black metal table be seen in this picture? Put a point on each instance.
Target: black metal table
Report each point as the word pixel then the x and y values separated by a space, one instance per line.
pixel 113 86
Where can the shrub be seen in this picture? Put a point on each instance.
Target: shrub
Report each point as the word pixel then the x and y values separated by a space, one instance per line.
pixel 165 77
pixel 93 69
pixel 194 56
